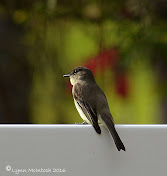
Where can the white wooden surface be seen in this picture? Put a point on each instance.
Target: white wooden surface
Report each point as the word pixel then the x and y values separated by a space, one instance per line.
pixel 79 151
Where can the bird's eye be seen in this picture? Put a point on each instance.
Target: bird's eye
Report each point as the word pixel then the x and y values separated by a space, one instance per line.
pixel 75 71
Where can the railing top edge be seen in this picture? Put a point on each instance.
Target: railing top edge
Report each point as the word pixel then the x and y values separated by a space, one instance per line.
pixel 79 126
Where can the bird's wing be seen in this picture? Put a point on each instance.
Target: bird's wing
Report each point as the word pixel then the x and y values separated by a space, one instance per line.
pixel 89 112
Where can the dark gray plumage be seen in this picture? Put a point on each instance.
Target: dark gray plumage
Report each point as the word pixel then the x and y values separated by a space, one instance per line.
pixel 91 102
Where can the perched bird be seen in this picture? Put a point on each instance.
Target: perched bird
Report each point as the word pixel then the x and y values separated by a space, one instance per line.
pixel 91 102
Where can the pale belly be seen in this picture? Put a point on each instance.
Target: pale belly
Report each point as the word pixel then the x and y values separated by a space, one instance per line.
pixel 81 112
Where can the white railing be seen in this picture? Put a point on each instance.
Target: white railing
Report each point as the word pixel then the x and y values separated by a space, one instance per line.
pixel 77 150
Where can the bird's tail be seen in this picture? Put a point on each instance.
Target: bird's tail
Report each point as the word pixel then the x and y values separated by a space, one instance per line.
pixel 119 144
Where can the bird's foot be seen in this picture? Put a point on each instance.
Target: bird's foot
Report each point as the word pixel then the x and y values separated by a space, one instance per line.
pixel 83 123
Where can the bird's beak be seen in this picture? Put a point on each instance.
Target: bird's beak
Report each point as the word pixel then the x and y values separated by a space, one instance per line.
pixel 68 75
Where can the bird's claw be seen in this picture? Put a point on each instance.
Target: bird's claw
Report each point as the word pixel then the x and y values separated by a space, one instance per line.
pixel 83 123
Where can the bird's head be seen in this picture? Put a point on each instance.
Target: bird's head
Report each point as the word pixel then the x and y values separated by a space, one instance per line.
pixel 80 74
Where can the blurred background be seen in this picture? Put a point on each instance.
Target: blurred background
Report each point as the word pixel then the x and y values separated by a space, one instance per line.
pixel 124 43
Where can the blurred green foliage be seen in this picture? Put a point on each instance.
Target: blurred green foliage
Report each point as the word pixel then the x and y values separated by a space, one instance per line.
pixel 59 35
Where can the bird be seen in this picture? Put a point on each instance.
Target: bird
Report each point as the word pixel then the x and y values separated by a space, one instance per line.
pixel 91 102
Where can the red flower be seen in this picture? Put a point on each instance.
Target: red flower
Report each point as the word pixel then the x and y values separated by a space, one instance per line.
pixel 108 59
